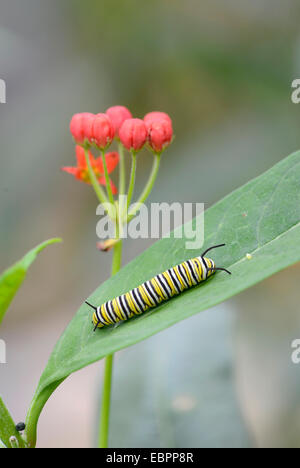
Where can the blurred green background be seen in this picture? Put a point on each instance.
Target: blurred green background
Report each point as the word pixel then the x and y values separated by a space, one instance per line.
pixel 223 71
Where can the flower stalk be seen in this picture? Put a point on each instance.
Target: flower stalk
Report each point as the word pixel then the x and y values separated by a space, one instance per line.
pixel 89 130
pixel 148 188
pixel 132 178
pixel 94 181
pixel 108 186
pixel 108 366
pixel 122 175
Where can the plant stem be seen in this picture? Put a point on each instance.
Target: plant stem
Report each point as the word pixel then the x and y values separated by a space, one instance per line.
pixel 147 189
pixel 116 265
pixel 94 181
pixel 108 186
pixel 122 178
pixel 105 407
pixel 106 394
pixel 132 178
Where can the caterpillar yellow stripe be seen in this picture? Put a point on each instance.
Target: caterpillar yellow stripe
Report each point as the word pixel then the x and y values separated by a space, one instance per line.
pixel 160 288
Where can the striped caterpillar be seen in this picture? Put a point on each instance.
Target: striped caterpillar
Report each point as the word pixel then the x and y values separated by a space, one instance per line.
pixel 160 288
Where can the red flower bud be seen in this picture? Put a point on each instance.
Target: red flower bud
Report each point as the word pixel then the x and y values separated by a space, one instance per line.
pixel 102 131
pixel 88 121
pixel 133 134
pixel 160 135
pixel 118 115
pixel 153 116
pixel 79 124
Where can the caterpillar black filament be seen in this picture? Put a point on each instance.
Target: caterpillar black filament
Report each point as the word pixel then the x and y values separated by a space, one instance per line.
pixel 158 289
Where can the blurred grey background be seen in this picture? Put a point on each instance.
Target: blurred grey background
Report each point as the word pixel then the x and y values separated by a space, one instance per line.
pixel 223 71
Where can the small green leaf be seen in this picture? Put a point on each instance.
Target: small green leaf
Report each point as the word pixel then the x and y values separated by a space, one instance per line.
pixel 11 279
pixel 260 224
pixel 8 429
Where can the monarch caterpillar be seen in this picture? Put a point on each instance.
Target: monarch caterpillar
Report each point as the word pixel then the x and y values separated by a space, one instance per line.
pixel 158 289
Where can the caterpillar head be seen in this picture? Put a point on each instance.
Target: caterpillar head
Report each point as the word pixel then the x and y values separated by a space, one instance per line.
pixel 210 266
pixel 97 311
pixel 96 320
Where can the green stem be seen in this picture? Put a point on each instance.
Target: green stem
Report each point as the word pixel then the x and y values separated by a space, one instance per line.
pixel 108 186
pixel 116 265
pixel 94 181
pixel 132 178
pixel 122 175
pixel 106 394
pixel 147 189
pixel 105 407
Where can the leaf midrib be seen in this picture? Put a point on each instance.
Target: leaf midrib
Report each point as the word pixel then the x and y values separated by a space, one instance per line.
pixel 232 265
pixel 266 244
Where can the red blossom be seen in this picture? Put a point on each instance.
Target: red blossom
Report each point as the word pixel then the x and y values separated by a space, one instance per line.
pixel 154 116
pixel 79 126
pixel 118 115
pixel 88 122
pixel 160 134
pixel 80 171
pixel 133 134
pixel 93 129
pixel 102 131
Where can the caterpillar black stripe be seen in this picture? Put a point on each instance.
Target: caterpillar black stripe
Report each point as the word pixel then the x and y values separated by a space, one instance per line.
pixel 158 289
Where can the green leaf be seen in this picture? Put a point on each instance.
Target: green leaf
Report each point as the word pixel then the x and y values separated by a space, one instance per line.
pixel 262 218
pixel 8 429
pixel 11 279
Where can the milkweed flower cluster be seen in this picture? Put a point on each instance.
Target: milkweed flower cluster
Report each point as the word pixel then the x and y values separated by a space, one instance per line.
pixel 97 132
pixel 100 129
